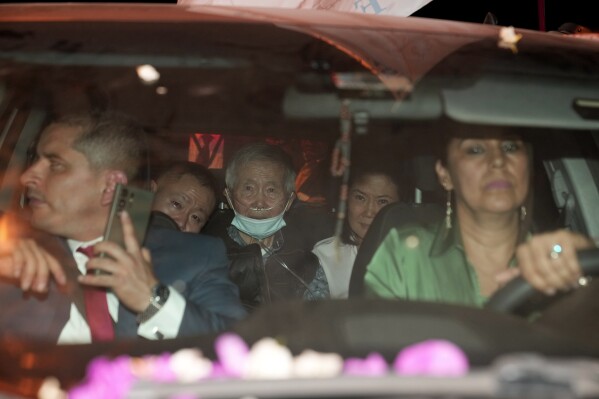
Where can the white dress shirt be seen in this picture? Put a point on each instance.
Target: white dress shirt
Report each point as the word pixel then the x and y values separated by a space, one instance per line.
pixel 164 324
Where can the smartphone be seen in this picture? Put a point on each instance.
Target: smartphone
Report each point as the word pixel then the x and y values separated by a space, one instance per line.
pixel 138 203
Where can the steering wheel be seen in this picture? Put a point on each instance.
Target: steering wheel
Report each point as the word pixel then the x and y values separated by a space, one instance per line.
pixel 518 291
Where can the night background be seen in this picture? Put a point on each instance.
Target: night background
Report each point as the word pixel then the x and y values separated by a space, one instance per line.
pixel 521 13
pixel 517 13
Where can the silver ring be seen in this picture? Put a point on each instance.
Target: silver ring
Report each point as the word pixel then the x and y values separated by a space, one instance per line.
pixel 556 252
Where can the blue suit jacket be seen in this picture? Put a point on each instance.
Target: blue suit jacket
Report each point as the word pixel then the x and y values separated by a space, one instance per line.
pixel 195 265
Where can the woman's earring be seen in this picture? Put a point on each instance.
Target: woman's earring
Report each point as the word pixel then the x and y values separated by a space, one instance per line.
pixel 448 210
pixel 522 213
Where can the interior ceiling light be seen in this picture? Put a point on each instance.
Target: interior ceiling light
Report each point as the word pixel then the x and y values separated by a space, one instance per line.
pixel 148 74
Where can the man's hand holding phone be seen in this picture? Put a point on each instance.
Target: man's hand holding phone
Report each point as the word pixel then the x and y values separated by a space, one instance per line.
pixel 121 263
pixel 127 270
pixel 138 203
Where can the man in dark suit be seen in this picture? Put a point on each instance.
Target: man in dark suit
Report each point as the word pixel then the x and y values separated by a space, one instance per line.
pixel 176 285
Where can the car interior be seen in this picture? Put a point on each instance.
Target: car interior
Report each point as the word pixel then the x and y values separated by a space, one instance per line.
pixel 255 82
pixel 288 88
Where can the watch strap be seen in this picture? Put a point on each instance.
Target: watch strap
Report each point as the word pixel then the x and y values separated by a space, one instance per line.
pixel 158 298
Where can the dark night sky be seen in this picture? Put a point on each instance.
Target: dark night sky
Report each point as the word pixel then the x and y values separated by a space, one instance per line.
pixel 518 13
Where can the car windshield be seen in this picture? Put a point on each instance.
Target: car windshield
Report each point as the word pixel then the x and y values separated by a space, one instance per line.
pixel 343 97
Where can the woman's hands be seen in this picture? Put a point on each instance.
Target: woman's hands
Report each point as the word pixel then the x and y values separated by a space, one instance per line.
pixel 548 261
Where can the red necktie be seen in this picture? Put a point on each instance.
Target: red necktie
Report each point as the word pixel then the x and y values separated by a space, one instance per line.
pixel 96 307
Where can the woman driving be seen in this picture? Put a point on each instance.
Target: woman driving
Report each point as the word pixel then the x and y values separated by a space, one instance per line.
pixel 484 240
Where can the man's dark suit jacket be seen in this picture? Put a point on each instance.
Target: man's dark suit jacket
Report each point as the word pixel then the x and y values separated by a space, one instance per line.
pixel 195 265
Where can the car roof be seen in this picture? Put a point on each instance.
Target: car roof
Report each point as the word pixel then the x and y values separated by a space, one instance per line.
pixel 398 50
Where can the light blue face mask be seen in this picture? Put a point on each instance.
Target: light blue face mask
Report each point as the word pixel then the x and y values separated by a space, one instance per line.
pixel 257 228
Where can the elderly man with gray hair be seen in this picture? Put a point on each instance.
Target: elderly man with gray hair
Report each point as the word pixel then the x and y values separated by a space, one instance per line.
pixel 268 244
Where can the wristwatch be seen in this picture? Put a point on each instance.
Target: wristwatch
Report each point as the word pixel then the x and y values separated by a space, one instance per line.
pixel 160 293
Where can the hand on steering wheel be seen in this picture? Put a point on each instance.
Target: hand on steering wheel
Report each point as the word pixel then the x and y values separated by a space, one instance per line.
pixel 518 291
pixel 548 261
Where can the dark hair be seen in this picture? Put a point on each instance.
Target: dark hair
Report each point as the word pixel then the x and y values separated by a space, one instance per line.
pixel 109 141
pixel 261 152
pixel 203 176
pixel 390 170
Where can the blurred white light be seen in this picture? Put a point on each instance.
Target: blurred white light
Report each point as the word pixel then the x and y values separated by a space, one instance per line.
pixel 412 242
pixel 148 74
pixel 161 90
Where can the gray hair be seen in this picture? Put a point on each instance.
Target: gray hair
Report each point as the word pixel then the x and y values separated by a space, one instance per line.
pixel 261 152
pixel 109 141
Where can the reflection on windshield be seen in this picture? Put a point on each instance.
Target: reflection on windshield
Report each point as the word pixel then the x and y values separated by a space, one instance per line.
pixel 374 189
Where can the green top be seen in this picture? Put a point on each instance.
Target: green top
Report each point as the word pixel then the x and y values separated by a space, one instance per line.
pixel 425 263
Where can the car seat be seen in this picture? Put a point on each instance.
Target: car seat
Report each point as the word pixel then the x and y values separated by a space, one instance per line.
pixel 391 216
pixel 426 206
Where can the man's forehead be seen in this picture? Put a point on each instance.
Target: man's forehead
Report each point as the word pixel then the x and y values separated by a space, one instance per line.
pixel 261 176
pixel 57 135
pixel 184 181
pixel 262 163
pixel 57 143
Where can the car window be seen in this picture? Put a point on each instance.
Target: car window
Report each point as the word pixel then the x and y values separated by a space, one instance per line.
pixel 339 98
